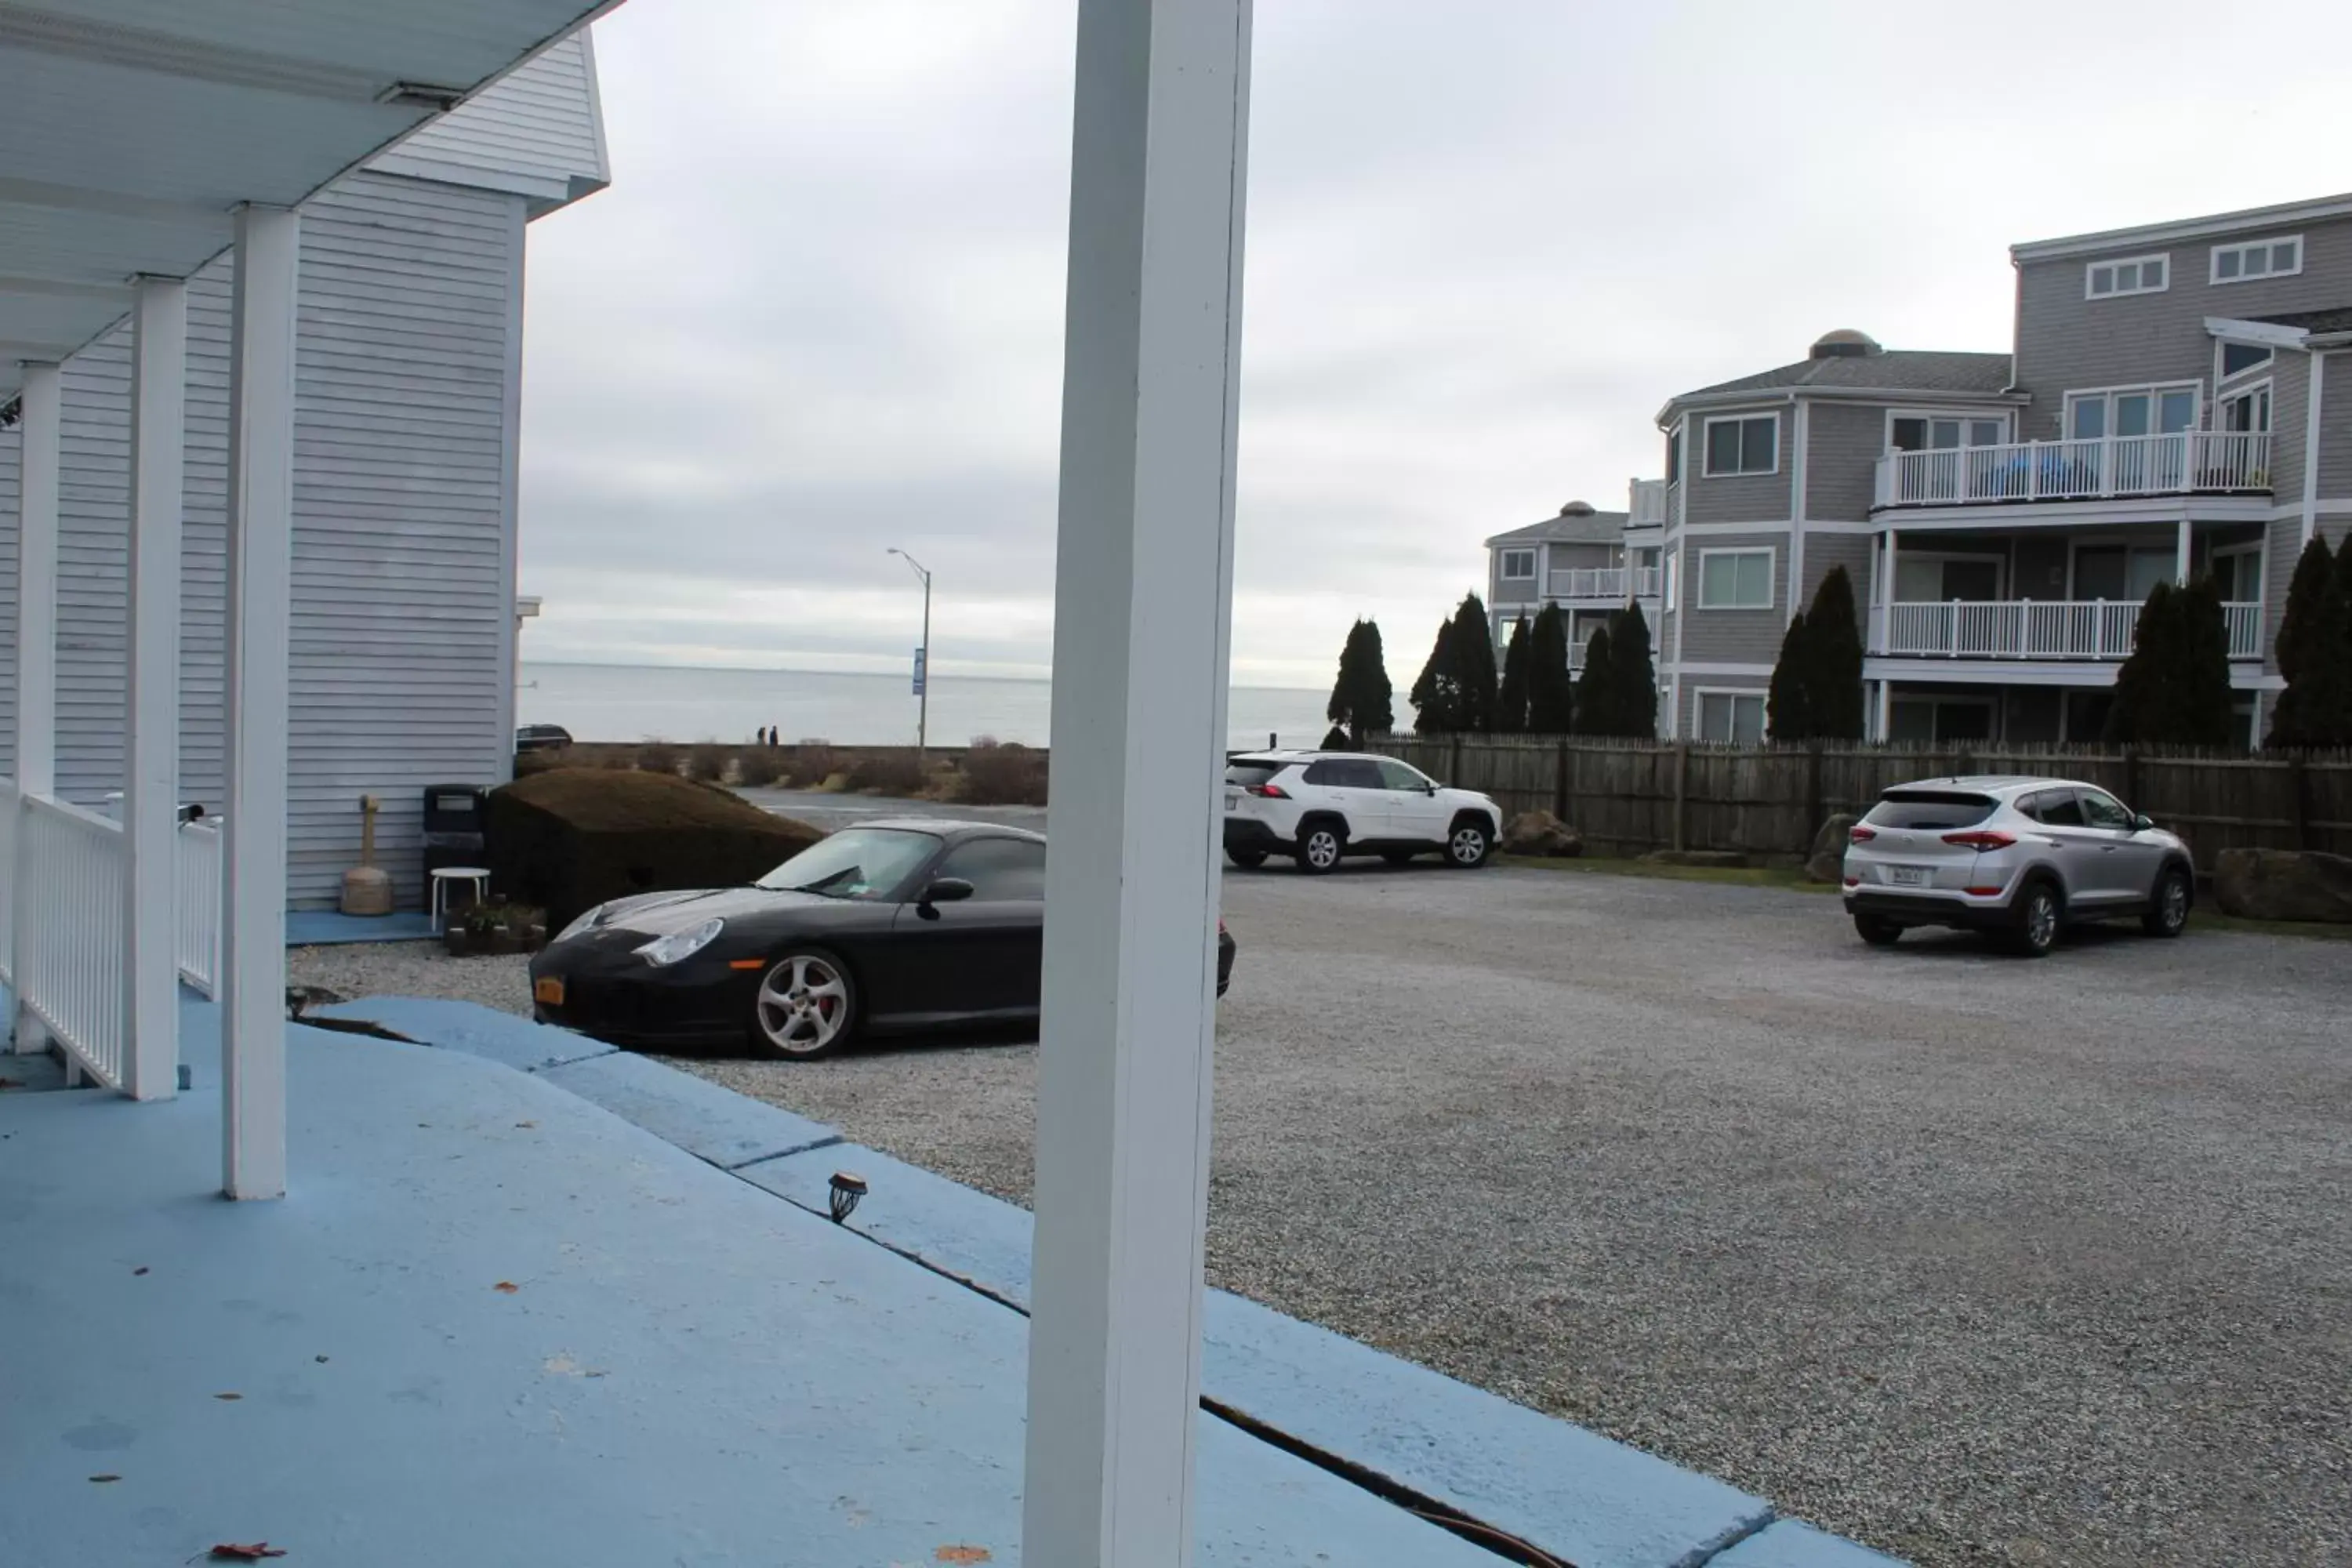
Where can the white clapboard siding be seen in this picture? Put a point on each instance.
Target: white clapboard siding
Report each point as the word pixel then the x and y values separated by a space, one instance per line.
pixel 11 445
pixel 536 131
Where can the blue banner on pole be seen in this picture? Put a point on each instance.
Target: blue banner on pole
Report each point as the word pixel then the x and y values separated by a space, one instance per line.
pixel 918 671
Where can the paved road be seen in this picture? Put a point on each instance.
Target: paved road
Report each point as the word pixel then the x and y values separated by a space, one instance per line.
pixel 1983 1260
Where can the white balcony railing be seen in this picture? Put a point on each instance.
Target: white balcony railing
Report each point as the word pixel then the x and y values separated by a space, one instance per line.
pixel 2031 628
pixel 2204 461
pixel 73 955
pixel 1648 509
pixel 1611 584
pixel 198 931
pixel 11 809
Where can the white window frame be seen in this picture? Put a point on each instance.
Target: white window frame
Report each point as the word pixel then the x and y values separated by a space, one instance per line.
pixel 1707 446
pixel 2259 387
pixel 2091 269
pixel 1965 415
pixel 1503 572
pixel 1756 694
pixel 2255 549
pixel 1771 554
pixel 2239 248
pixel 2107 395
pixel 2260 367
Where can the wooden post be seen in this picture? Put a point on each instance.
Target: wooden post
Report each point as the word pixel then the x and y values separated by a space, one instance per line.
pixel 2299 780
pixel 1560 783
pixel 1682 795
pixel 1812 797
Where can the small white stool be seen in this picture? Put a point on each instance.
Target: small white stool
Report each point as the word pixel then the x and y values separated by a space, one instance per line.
pixel 443 875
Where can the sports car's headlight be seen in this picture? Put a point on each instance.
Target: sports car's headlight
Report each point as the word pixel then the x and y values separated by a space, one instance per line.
pixel 677 944
pixel 588 921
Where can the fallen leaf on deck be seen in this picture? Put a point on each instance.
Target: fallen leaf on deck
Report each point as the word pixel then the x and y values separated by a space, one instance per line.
pixel 109 1477
pixel 228 1396
pixel 526 1124
pixel 230 1552
pixel 506 1287
pixel 319 1359
pixel 140 1269
pixel 965 1554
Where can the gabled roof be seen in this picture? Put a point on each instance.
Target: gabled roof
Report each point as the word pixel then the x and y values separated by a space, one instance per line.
pixel 1567 527
pixel 1892 370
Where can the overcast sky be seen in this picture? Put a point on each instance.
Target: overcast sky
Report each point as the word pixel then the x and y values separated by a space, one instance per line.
pixel 819 310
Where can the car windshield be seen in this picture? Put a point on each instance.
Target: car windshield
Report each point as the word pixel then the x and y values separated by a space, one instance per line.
pixel 858 863
pixel 1929 808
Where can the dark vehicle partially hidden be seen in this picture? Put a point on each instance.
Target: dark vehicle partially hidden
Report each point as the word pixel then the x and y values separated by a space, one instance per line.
pixel 542 737
pixel 887 928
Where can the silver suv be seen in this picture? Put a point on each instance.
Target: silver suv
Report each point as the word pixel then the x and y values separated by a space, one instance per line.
pixel 2020 857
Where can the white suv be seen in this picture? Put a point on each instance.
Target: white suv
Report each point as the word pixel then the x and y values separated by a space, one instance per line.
pixel 1317 806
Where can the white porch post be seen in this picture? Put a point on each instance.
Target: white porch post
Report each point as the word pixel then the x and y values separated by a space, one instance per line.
pixel 151 773
pixel 36 649
pixel 2180 563
pixel 1885 710
pixel 260 572
pixel 1142 615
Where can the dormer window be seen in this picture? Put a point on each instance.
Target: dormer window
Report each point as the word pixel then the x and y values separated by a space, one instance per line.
pixel 2136 275
pixel 2275 257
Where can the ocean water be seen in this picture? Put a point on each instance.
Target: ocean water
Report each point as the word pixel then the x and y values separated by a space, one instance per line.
pixel 641 702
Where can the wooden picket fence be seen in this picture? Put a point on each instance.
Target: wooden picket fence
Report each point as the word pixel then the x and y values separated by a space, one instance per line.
pixel 1629 797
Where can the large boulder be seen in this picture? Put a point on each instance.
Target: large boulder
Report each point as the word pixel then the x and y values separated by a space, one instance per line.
pixel 570 840
pixel 1826 863
pixel 1541 833
pixel 2283 885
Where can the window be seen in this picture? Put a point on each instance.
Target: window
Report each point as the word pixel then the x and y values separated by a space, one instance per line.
pixel 2239 358
pixel 1519 565
pixel 1734 579
pixel 2131 411
pixel 1675 454
pixel 1396 775
pixel 1927 433
pixel 2101 809
pixel 855 863
pixel 1001 870
pixel 1345 773
pixel 2258 259
pixel 1929 810
pixel 2122 573
pixel 2054 808
pixel 1252 775
pixel 1735 718
pixel 2246 412
pixel 2139 274
pixel 1744 444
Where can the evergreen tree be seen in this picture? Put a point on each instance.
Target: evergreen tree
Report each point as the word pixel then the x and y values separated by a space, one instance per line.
pixel 1361 698
pixel 1511 696
pixel 1551 692
pixel 1787 701
pixel 2197 711
pixel 1834 663
pixel 1436 691
pixel 1475 685
pixel 2150 678
pixel 1596 694
pixel 1634 678
pixel 1335 738
pixel 2314 654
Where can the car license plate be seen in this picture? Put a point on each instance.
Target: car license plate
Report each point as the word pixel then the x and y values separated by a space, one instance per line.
pixel 1908 876
pixel 549 989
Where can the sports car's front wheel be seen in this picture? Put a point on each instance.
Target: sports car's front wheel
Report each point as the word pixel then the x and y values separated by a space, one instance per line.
pixel 806 1006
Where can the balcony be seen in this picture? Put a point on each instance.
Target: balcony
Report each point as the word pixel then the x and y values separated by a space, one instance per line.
pixel 1603 585
pixel 2087 629
pixel 2189 462
pixel 1648 508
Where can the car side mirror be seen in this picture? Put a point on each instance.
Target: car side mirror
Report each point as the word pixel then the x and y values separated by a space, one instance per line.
pixel 945 891
pixel 2142 822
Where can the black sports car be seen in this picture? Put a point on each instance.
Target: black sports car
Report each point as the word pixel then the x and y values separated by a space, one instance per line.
pixel 887 928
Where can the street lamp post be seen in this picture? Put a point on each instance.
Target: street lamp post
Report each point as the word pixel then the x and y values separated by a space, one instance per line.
pixel 923 671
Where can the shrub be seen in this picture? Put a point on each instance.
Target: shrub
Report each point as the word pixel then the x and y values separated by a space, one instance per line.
pixel 546 759
pixel 1009 775
pixel 758 767
pixel 887 772
pixel 811 766
pixel 571 839
pixel 658 757
pixel 706 762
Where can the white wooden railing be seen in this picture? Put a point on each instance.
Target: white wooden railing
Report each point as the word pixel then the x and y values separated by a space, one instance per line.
pixel 1648 508
pixel 1613 584
pixel 2031 628
pixel 73 955
pixel 198 930
pixel 2187 461
pixel 11 808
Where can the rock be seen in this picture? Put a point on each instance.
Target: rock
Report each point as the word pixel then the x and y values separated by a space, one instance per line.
pixel 1719 859
pixel 1827 861
pixel 2283 885
pixel 1541 833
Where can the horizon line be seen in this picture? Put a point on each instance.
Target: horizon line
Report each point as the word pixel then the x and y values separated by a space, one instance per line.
pixel 796 670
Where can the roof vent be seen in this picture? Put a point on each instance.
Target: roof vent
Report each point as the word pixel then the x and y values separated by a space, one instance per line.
pixel 1844 343
pixel 1577 508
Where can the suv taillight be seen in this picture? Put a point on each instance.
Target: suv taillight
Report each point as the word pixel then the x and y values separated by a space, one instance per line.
pixel 1980 840
pixel 1863 834
pixel 1270 791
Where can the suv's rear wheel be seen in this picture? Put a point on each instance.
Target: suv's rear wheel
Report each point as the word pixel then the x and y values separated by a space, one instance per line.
pixel 2168 912
pixel 1320 845
pixel 1467 846
pixel 1246 857
pixel 1877 930
pixel 2039 916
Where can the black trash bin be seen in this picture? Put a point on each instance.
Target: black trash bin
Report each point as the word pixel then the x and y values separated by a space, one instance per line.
pixel 454 815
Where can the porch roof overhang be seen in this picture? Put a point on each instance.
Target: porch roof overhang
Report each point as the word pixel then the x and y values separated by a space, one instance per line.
pixel 1993 517
pixel 1936 670
pixel 134 128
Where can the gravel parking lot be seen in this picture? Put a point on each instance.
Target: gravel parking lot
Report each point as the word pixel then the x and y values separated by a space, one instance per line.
pixel 1978 1259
